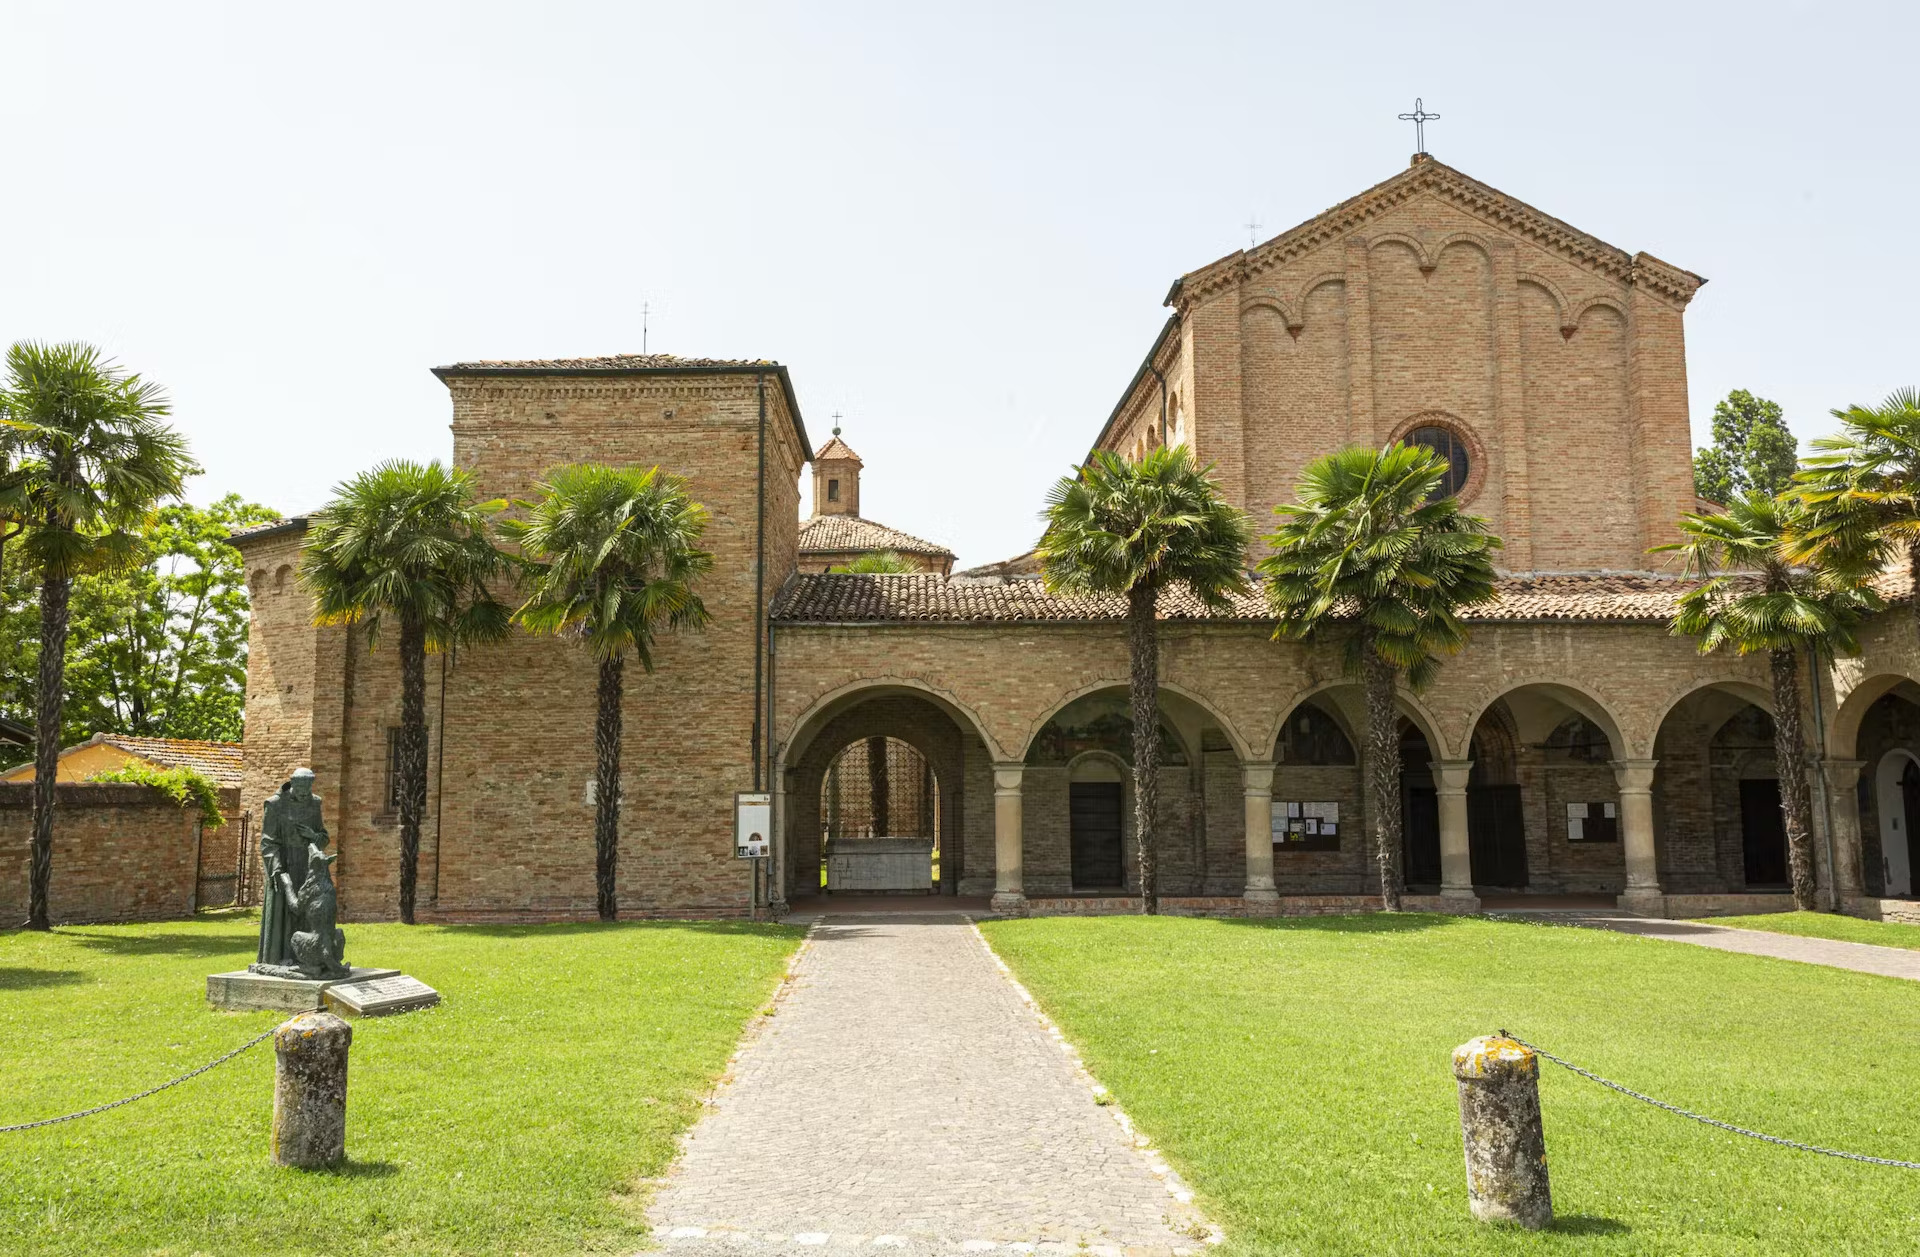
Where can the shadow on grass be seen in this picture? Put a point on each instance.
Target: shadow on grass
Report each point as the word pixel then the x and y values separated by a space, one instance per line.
pixel 171 943
pixel 1585 1224
pixel 27 979
pixel 356 1169
pixel 1359 923
pixel 759 928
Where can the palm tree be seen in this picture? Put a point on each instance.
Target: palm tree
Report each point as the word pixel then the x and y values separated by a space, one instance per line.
pixel 409 543
pixel 1133 529
pixel 85 455
pixel 1862 493
pixel 1751 599
pixel 877 563
pixel 613 555
pixel 1373 555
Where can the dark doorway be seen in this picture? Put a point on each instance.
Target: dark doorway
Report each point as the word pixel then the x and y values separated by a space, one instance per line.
pixel 1763 834
pixel 1496 836
pixel 1094 834
pixel 1421 817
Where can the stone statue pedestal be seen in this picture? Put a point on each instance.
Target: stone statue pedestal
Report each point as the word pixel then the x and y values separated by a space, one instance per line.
pixel 244 992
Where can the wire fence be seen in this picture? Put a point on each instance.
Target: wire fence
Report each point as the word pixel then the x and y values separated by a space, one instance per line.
pixel 1709 1121
pixel 102 1108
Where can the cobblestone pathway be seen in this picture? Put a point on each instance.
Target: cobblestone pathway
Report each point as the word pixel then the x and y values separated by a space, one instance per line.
pixel 905 1098
pixel 1888 962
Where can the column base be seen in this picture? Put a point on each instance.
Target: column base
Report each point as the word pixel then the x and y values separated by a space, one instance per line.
pixel 1260 894
pixel 778 909
pixel 1647 903
pixel 1452 900
pixel 1011 902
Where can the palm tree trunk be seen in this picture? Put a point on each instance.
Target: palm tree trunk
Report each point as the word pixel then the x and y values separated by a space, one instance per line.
pixel 606 789
pixel 56 593
pixel 1913 571
pixel 879 789
pixel 413 758
pixel 1143 688
pixel 1383 770
pixel 1790 761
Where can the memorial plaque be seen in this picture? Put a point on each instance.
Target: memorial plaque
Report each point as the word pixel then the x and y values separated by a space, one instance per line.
pixel 378 997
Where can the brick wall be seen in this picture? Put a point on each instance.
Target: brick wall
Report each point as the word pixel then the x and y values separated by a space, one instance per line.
pixel 120 853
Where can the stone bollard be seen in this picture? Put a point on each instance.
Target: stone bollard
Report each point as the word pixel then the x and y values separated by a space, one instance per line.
pixel 310 1090
pixel 1500 1123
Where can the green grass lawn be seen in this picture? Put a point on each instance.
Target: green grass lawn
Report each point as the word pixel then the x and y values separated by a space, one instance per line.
pixel 1827 925
pixel 517 1117
pixel 1297 1073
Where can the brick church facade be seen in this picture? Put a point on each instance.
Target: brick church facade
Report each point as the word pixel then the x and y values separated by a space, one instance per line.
pixel 1575 747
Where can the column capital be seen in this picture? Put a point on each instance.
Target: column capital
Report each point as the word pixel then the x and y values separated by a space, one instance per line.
pixel 1633 776
pixel 1843 773
pixel 1257 775
pixel 1450 775
pixel 1006 777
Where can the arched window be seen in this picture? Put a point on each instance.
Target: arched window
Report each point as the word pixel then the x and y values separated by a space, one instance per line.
pixel 1312 736
pixel 1451 446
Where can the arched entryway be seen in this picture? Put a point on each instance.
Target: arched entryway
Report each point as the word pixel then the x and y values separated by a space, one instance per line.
pixel 1717 794
pixel 887 763
pixel 1897 792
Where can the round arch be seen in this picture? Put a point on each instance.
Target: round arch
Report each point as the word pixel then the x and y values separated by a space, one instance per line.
pixel 809 723
pixel 1747 691
pixel 1206 706
pixel 1568 694
pixel 1843 736
pixel 1409 706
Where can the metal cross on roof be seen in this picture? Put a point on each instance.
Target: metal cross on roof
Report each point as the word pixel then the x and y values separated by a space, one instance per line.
pixel 1419 118
pixel 836 423
pixel 1253 230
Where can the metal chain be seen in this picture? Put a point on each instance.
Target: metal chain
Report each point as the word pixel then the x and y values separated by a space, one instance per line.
pixel 51 1121
pixel 1738 1130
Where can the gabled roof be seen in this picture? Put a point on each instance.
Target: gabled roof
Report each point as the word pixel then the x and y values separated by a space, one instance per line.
pixel 1610 597
pixel 1427 176
pixel 835 448
pixel 841 534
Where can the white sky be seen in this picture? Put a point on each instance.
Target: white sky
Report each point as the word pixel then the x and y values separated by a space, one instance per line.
pixel 954 224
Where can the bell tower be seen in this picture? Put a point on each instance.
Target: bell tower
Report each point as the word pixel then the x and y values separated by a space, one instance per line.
pixel 836 478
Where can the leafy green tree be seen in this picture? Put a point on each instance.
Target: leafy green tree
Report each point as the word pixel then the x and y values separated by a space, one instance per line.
pixel 879 563
pixel 410 544
pixel 1752 450
pixel 613 555
pixel 1752 600
pixel 88 456
pixel 157 649
pixel 1862 493
pixel 1132 530
pixel 1373 556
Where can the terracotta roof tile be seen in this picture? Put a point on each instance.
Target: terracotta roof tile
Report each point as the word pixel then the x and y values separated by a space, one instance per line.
pixel 219 762
pixel 836 448
pixel 605 362
pixel 833 534
pixel 1608 597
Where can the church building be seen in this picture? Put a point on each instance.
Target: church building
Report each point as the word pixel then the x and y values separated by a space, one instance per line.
pixel 1575 748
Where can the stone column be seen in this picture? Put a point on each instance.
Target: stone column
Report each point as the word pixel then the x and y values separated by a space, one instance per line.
pixel 310 1090
pixel 1843 801
pixel 777 864
pixel 1635 779
pixel 1256 779
pixel 1499 1083
pixel 1456 858
pixel 1009 893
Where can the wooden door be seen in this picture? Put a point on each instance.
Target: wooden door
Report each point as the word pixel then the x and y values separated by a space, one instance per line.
pixel 1093 819
pixel 1496 836
pixel 1763 832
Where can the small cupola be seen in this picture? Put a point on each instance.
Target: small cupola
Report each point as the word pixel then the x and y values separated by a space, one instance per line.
pixel 836 478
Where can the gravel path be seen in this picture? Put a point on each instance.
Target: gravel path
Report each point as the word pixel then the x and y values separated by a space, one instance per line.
pixel 906 1097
